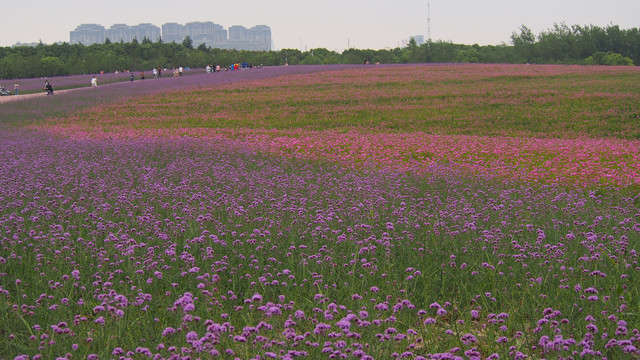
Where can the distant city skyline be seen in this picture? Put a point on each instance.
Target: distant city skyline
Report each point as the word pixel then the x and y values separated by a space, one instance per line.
pixel 331 24
pixel 238 37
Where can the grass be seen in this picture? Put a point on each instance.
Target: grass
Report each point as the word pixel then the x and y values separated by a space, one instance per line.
pixel 581 101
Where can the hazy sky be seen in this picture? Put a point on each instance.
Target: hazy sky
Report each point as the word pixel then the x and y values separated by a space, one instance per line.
pixel 332 24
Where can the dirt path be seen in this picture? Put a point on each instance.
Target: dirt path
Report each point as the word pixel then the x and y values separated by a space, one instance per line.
pixel 6 99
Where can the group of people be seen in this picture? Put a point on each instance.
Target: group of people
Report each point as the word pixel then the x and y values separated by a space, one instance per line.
pixel 5 92
pixel 157 73
pixel 177 72
pixel 212 68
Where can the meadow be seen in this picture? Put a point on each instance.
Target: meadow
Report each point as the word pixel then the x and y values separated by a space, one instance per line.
pixel 363 212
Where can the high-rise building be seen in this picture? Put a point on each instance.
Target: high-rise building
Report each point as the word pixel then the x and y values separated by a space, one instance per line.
pixel 237 32
pixel 146 31
pixel 258 38
pixel 418 38
pixel 88 34
pixel 119 32
pixel 172 32
pixel 261 35
pixel 219 34
pixel 199 32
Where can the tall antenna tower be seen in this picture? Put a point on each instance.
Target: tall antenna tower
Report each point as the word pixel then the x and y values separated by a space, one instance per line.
pixel 428 22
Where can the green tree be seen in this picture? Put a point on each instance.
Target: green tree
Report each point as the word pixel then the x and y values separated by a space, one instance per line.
pixel 386 57
pixel 310 59
pixel 357 56
pixel 53 66
pixel 11 66
pixel 203 48
pixel 133 52
pixel 318 56
pixel 443 51
pixel 290 56
pixel 187 42
pixel 608 58
pixel 469 54
pixel 523 43
pixel 558 45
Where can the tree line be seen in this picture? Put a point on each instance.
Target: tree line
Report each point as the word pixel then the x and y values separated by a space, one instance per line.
pixel 559 45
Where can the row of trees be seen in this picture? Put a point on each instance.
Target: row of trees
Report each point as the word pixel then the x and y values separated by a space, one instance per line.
pixel 559 45
pixel 574 45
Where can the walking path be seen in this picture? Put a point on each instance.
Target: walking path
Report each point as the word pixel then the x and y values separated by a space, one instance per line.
pixel 6 99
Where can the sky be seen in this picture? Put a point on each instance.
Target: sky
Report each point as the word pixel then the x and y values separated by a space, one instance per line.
pixel 332 24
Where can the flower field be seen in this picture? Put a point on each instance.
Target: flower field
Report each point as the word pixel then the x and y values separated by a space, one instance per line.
pixel 413 212
pixel 559 124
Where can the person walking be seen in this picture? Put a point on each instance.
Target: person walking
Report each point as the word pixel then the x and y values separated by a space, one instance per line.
pixel 94 82
pixel 15 88
pixel 131 77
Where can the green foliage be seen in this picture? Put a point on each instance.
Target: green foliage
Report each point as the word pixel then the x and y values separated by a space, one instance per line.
pixel 470 55
pixel 311 60
pixel 203 48
pixel 524 44
pixel 608 58
pixel 187 42
pixel 573 45
pixel 53 66
pixel 11 65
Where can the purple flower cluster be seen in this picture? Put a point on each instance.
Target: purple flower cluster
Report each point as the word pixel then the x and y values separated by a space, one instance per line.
pixel 209 248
